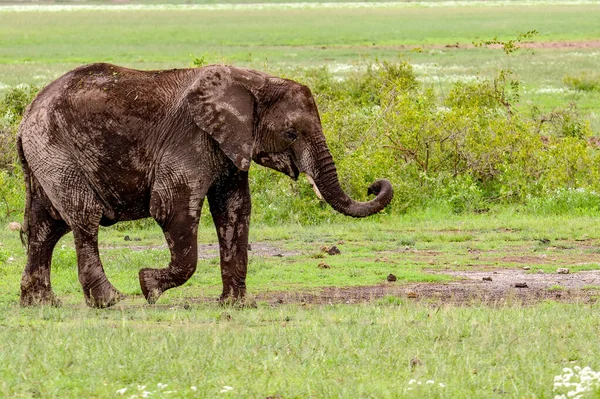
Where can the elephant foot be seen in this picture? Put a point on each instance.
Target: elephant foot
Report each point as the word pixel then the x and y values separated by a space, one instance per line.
pixel 103 297
pixel 38 298
pixel 36 291
pixel 150 281
pixel 237 300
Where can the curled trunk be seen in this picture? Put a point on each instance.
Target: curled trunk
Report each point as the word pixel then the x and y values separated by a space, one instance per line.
pixel 326 179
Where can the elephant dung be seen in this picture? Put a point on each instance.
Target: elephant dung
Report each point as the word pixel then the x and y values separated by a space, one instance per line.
pixel 334 251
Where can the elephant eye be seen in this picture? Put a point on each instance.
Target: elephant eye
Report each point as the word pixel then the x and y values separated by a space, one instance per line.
pixel 290 134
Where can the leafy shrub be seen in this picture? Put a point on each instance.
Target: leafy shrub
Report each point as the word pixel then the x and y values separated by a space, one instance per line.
pixel 462 152
pixel 15 101
pixel 465 151
pixel 12 107
pixel 562 122
pixel 12 193
pixel 8 149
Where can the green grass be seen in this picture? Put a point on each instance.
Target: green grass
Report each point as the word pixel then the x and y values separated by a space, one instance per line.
pixel 36 47
pixel 363 351
pixel 370 250
pixel 322 351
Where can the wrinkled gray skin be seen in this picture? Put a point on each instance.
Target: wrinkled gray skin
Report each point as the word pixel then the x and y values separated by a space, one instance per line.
pixel 104 144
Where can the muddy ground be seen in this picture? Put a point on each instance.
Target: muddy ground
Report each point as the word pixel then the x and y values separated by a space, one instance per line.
pixel 495 286
pixel 506 287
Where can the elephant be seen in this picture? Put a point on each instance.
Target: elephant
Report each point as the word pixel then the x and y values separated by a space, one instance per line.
pixel 104 143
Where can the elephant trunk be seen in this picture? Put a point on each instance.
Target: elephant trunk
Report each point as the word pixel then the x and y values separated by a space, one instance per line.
pixel 325 177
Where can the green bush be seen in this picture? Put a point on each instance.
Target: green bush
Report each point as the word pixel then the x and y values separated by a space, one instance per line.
pixel 462 152
pixel 12 194
pixel 465 151
pixel 12 107
pixel 15 101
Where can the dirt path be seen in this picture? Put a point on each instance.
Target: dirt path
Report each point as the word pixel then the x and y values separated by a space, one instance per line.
pixel 481 285
pixel 558 45
pixel 492 286
pixel 472 289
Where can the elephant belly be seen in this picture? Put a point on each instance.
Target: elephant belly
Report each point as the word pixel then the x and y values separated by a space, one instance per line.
pixel 123 192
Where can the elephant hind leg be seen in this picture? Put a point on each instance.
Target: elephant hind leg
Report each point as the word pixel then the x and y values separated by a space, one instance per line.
pixel 181 232
pixel 43 234
pixel 98 291
pixel 69 194
pixel 83 213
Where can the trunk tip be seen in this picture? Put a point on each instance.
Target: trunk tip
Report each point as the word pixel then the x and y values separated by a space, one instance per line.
pixel 380 186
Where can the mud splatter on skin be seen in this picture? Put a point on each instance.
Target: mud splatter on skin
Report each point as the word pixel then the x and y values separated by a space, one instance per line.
pixel 104 144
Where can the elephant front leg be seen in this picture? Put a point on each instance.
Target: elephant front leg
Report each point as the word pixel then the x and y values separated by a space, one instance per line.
pixel 229 201
pixel 181 232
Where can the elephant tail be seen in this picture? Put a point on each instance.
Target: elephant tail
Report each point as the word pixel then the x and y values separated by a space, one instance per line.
pixel 28 187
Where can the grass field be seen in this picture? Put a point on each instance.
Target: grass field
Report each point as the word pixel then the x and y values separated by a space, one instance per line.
pixel 37 46
pixel 296 349
pixel 363 351
pixel 287 257
pixel 340 331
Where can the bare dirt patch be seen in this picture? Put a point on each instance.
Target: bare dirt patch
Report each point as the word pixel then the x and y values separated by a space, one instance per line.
pixel 558 45
pixel 494 280
pixel 593 43
pixel 471 289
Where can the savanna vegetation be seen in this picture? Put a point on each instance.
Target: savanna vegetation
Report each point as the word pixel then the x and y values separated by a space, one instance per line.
pixel 466 149
pixel 483 118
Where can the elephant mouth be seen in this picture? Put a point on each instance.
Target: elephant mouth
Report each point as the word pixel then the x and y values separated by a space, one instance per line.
pixel 283 162
pixel 295 172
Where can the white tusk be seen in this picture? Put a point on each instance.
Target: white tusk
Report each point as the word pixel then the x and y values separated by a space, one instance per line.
pixel 314 187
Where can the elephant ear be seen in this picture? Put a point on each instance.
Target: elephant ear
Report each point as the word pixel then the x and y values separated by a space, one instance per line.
pixel 222 105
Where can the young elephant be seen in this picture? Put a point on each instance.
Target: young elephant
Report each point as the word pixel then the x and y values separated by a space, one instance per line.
pixel 104 144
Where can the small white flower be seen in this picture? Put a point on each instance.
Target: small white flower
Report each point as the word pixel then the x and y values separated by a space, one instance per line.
pixel 121 391
pixel 193 388
pixel 442 385
pixel 141 387
pixel 576 382
pixel 161 385
pixel 429 382
pixel 146 394
pixel 411 382
pixel 226 389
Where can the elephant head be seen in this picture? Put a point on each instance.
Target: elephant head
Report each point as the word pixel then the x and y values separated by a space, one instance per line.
pixel 275 122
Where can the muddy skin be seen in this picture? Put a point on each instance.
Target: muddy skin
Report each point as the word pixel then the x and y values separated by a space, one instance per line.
pixel 104 144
